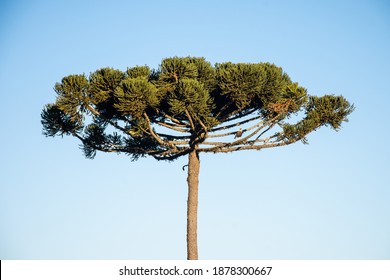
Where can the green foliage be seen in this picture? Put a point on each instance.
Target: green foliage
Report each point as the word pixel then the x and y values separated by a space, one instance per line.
pixel 115 111
pixel 72 96
pixel 326 110
pixel 138 72
pixel 241 82
pixel 134 96
pixel 296 94
pixel 184 84
pixel 95 139
pixel 244 86
pixel 103 83
pixel 190 95
pixel 138 147
pixel 329 110
pixel 56 122
pixel 174 68
pixel 275 84
pixel 205 72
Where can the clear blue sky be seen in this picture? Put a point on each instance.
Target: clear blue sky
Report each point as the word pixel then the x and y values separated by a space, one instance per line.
pixel 326 200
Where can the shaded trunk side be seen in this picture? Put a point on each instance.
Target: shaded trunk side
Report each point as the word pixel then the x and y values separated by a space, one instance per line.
pixel 192 205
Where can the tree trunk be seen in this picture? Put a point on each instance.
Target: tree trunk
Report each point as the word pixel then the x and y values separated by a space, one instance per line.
pixel 192 205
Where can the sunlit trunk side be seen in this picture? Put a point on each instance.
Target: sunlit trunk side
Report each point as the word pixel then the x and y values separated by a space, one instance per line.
pixel 192 205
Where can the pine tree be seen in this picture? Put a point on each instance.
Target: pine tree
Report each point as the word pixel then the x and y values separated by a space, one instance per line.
pixel 187 107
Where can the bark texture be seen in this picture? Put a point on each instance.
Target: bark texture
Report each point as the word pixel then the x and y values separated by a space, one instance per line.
pixel 192 205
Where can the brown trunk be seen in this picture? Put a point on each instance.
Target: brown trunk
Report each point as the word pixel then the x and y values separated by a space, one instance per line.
pixel 192 205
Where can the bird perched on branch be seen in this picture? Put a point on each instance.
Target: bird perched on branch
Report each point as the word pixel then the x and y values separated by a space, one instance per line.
pixel 238 133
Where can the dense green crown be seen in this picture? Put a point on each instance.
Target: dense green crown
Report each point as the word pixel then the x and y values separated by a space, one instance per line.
pixel 187 104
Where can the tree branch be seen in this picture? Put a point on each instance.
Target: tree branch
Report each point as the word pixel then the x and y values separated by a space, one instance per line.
pixel 171 127
pixel 162 142
pixel 227 149
pixel 190 120
pixel 113 149
pixel 234 132
pixel 271 126
pixel 169 155
pixel 97 113
pixel 235 124
pixel 221 134
pixel 173 136
pixel 174 120
pixel 243 141
pixel 202 125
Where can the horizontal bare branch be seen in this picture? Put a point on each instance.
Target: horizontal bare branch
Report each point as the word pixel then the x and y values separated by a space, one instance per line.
pixel 169 136
pixel 244 139
pixel 174 120
pixel 235 124
pixel 251 142
pixel 179 129
pixel 234 132
pixel 227 149
pixel 221 134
